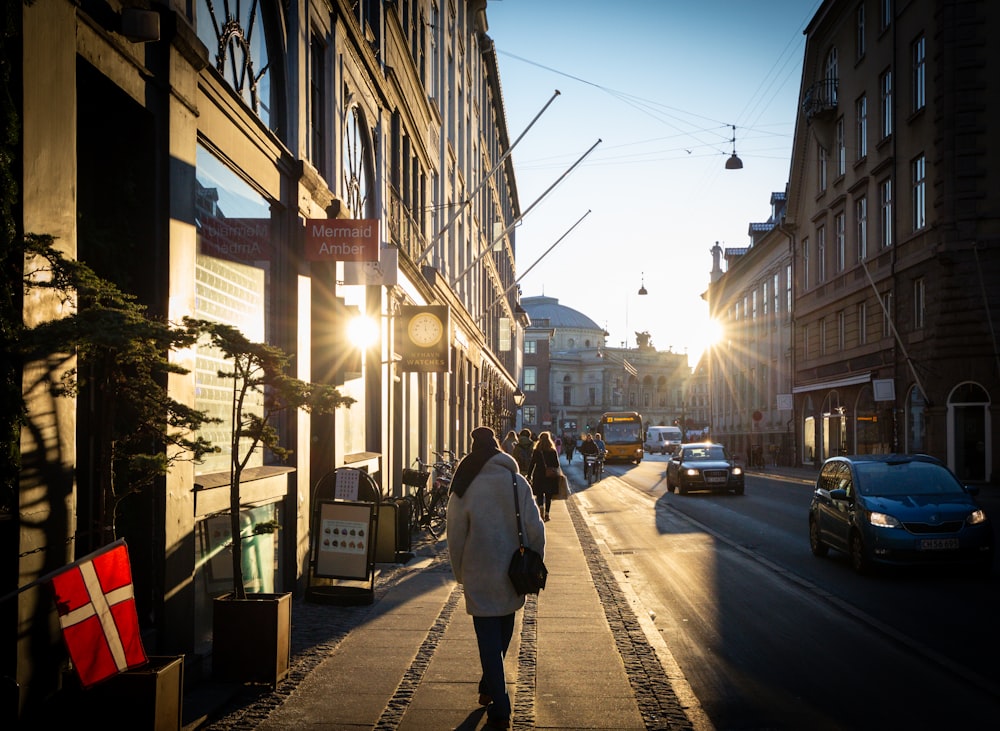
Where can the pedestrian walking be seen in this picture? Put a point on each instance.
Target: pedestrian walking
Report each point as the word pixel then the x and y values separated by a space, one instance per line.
pixel 509 441
pixel 569 446
pixel 523 449
pixel 543 473
pixel 482 537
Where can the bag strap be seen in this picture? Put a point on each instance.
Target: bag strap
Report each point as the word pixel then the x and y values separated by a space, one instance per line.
pixel 517 512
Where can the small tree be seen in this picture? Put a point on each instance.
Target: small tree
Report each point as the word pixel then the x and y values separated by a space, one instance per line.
pixel 258 368
pixel 107 342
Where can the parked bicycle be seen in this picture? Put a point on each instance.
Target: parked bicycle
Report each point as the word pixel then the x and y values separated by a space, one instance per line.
pixel 432 481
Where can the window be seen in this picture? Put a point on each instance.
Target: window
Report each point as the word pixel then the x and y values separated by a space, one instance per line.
pixel 820 254
pixel 777 296
pixel 918 303
pixel 884 14
pixel 832 73
pixel 805 263
pixel 919 174
pixel 885 102
pixel 821 167
pixel 885 212
pixel 840 241
pixel 862 315
pixel 841 148
pixel 788 289
pixel 887 315
pixel 504 339
pixel 530 378
pixel 841 330
pixel 567 395
pixel 861 227
pixel 232 272
pixel 529 414
pixel 919 82
pixel 317 103
pixel 238 38
pixel 861 113
pixel 531 347
pixel 805 341
pixel 592 396
pixel 860 34
pixel 765 300
pixel 822 336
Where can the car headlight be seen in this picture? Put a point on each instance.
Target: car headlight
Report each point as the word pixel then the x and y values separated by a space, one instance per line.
pixel 881 520
pixel 976 517
pixel 737 471
pixel 691 472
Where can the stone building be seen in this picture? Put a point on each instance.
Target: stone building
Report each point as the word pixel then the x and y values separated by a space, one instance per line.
pixel 894 217
pixel 183 152
pixel 571 377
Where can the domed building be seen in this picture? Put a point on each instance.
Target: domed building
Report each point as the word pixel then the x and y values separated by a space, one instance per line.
pixel 571 376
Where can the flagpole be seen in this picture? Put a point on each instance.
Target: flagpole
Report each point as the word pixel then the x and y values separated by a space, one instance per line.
pixel 472 195
pixel 514 283
pixel 49 576
pixel 507 230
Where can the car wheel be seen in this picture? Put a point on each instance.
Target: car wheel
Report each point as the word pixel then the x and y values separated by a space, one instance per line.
pixel 816 544
pixel 682 489
pixel 859 555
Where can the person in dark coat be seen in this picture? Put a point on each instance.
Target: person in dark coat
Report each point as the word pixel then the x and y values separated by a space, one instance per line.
pixel 543 486
pixel 522 450
pixel 569 446
pixel 482 537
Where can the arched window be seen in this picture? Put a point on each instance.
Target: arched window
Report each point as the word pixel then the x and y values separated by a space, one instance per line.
pixel 358 165
pixel 240 38
pixel 969 433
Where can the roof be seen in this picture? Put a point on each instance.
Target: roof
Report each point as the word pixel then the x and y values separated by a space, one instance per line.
pixel 558 316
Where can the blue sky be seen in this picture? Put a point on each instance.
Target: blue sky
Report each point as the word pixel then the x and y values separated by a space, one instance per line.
pixel 661 83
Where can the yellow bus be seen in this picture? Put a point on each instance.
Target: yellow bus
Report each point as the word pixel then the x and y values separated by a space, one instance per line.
pixel 622 434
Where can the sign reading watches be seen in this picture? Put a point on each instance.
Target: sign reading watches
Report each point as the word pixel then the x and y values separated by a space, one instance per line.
pixel 342 239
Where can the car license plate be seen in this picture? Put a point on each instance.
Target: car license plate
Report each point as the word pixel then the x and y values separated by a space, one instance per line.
pixel 715 478
pixel 939 544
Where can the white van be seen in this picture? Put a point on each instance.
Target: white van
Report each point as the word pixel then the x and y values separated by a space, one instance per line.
pixel 662 439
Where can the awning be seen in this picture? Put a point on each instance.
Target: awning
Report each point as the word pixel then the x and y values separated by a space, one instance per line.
pixel 834 383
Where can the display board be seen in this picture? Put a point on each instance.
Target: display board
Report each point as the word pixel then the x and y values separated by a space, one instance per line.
pixel 344 540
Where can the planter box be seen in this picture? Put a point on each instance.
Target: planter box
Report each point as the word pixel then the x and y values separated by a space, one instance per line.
pixel 150 697
pixel 251 638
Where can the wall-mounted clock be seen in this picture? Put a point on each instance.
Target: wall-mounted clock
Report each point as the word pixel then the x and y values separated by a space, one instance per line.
pixel 425 329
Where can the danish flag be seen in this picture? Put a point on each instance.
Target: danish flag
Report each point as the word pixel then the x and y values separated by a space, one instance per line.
pixel 96 604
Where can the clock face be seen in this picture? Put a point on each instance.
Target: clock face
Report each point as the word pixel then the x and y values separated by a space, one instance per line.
pixel 425 330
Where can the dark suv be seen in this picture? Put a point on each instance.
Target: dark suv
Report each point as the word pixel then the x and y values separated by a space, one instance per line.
pixel 703 466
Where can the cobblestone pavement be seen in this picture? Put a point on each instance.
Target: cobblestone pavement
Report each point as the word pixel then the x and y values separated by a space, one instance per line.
pixel 315 636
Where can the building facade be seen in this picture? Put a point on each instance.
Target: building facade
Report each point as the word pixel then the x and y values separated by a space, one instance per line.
pixel 750 365
pixel 182 150
pixel 579 378
pixel 894 215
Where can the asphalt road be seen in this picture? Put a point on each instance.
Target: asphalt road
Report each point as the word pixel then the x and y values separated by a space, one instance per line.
pixel 771 637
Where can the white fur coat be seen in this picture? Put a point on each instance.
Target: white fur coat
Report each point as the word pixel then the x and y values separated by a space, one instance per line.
pixel 482 536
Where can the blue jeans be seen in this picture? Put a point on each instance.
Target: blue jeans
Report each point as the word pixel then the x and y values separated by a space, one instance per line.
pixel 493 636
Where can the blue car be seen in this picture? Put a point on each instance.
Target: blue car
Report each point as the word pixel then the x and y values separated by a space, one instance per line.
pixel 897 509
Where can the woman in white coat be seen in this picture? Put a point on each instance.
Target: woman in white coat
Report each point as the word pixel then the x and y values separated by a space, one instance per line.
pixel 482 537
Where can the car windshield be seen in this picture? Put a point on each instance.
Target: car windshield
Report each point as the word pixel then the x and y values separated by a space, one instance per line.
pixel 905 478
pixel 699 454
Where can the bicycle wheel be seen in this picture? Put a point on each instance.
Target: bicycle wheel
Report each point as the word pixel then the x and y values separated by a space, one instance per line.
pixel 436 510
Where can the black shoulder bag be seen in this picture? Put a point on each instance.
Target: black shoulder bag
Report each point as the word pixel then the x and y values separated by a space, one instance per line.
pixel 527 571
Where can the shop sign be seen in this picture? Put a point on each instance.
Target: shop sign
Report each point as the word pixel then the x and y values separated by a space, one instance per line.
pixel 342 239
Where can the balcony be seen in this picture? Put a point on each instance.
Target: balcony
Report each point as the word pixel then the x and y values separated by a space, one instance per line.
pixel 820 100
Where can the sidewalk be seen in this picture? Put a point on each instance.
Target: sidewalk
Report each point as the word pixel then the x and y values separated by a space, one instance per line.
pixel 579 660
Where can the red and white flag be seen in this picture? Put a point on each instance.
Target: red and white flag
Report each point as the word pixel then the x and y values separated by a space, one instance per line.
pixel 96 604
